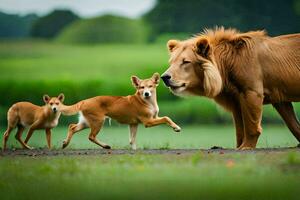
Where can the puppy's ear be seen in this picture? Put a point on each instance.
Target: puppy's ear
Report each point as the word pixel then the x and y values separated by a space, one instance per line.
pixel 61 97
pixel 135 81
pixel 172 44
pixel 46 98
pixel 202 47
pixel 156 77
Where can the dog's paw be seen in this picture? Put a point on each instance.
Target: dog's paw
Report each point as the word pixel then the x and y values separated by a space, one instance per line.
pixel 65 144
pixel 28 147
pixel 177 129
pixel 133 146
pixel 106 147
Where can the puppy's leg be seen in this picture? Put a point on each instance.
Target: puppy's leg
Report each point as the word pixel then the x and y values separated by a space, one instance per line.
pixel 95 128
pixel 73 128
pixel 19 137
pixel 132 139
pixel 161 120
pixel 32 128
pixel 48 137
pixel 6 136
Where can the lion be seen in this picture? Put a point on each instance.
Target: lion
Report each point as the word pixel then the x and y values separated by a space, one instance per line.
pixel 240 72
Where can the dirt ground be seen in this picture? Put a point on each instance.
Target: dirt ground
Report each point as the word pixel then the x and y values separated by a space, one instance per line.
pixel 70 152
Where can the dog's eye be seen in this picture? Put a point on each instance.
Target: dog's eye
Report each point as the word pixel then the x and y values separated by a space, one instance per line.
pixel 150 86
pixel 56 103
pixel 142 87
pixel 51 104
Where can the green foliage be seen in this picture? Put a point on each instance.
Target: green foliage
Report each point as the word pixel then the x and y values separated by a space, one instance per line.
pixel 105 29
pixel 15 26
pixel 165 37
pixel 50 25
pixel 277 17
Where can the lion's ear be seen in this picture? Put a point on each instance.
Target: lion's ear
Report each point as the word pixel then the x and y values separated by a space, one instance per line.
pixel 172 44
pixel 202 47
pixel 239 42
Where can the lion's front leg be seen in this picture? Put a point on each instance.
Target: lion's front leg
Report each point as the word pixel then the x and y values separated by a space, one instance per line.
pixel 239 125
pixel 251 106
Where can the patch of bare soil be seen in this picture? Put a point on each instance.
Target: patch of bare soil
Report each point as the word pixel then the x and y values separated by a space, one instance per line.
pixel 75 152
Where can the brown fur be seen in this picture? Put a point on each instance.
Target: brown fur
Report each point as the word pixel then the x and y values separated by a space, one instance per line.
pixel 23 114
pixel 241 72
pixel 131 110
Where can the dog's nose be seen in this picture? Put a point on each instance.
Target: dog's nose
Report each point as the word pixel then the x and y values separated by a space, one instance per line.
pixel 166 78
pixel 147 94
pixel 54 109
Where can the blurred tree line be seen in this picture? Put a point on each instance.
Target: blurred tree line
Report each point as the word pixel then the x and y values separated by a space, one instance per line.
pixel 168 16
pixel 175 16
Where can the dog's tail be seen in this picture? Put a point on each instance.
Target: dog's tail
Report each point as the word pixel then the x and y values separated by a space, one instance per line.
pixel 70 110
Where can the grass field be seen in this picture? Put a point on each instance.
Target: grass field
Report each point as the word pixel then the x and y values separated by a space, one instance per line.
pixel 31 68
pixel 163 137
pixel 197 175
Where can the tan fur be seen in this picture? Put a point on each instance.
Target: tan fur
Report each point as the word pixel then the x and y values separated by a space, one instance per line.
pixel 25 114
pixel 241 72
pixel 131 110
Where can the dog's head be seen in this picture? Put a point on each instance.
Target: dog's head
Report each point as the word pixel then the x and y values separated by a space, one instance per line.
pixel 147 87
pixel 54 102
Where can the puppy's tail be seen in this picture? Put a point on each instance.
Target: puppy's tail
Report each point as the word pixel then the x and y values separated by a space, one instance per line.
pixel 70 110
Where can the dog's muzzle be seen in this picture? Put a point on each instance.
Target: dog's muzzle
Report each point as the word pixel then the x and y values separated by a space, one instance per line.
pixel 147 94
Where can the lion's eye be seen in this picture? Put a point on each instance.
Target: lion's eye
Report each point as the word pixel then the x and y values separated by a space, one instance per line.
pixel 185 62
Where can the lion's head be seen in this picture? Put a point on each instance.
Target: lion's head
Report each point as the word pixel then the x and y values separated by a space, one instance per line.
pixel 193 70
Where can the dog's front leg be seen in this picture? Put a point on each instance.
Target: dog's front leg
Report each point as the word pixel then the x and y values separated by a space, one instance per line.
pixel 132 136
pixel 48 137
pixel 161 120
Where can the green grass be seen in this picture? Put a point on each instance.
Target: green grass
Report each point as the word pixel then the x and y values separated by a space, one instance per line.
pixel 186 176
pixel 162 137
pixel 29 60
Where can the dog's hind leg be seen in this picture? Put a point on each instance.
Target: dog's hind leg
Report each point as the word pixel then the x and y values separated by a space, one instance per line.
pixel 6 136
pixel 132 136
pixel 19 137
pixel 286 111
pixel 95 128
pixel 73 128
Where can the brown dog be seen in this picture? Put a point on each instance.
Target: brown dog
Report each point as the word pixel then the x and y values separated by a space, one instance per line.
pixel 133 109
pixel 241 72
pixel 25 114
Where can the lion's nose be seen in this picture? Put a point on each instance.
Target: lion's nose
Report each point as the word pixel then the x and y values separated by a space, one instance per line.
pixel 166 78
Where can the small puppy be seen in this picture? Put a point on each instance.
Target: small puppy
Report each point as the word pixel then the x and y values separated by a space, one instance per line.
pixel 133 109
pixel 25 114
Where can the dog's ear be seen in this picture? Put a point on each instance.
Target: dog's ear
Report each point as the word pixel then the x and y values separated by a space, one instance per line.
pixel 61 97
pixel 172 44
pixel 155 78
pixel 46 98
pixel 135 81
pixel 202 47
